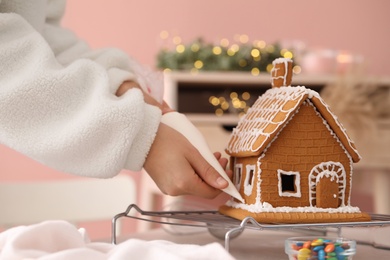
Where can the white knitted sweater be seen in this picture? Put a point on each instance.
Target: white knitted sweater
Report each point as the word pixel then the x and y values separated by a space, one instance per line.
pixel 57 97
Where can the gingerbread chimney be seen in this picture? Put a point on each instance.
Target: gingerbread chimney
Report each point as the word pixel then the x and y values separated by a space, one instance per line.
pixel 281 72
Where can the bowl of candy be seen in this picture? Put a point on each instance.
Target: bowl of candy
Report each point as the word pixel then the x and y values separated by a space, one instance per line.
pixel 314 248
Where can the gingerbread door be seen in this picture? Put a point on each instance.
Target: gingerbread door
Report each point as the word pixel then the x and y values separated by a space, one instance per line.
pixel 327 193
pixel 327 185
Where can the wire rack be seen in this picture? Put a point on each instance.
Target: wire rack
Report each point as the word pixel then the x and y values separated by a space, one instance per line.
pixel 213 220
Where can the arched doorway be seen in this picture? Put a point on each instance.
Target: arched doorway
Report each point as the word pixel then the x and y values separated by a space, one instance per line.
pixel 327 185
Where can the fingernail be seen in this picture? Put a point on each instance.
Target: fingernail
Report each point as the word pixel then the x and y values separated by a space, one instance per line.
pixel 221 181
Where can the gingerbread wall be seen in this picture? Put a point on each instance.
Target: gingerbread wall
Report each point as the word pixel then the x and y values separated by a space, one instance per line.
pixel 252 160
pixel 302 144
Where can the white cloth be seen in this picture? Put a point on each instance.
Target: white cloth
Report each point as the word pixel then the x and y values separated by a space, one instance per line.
pixel 57 96
pixel 59 240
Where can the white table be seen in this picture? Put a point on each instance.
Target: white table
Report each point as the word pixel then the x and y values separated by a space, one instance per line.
pixel 252 244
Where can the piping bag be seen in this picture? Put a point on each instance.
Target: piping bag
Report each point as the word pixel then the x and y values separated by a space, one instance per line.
pixel 183 125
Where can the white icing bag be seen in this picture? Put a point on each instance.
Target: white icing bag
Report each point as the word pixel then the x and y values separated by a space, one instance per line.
pixel 180 123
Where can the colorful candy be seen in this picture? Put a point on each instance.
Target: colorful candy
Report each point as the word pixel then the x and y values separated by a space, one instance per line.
pixel 320 249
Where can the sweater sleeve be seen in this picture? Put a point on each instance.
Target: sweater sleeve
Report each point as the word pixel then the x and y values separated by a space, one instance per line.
pixel 67 47
pixel 66 116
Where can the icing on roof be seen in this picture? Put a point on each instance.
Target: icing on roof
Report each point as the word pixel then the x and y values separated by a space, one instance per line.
pixel 268 115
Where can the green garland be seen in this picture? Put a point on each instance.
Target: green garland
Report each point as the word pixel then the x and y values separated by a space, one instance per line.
pixel 204 56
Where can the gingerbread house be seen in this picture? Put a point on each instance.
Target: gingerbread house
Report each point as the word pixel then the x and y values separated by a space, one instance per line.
pixel 291 157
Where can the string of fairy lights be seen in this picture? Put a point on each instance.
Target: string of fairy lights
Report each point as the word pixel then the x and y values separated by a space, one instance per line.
pixel 239 54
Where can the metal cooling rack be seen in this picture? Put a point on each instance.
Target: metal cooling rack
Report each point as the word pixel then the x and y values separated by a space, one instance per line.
pixel 211 219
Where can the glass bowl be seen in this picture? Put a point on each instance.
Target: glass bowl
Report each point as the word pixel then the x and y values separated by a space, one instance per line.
pixel 315 248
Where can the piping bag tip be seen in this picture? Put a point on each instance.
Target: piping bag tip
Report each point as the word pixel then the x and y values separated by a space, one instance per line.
pixel 183 125
pixel 234 193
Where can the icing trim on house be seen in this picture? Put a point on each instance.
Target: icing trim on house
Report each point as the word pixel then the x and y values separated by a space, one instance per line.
pixel 259 180
pixel 266 207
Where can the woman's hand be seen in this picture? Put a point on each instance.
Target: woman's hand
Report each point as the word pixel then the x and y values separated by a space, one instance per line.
pixel 125 86
pixel 174 163
pixel 179 169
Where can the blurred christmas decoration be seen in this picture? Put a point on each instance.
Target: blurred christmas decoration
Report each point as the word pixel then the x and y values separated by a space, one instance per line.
pixel 199 55
pixel 234 103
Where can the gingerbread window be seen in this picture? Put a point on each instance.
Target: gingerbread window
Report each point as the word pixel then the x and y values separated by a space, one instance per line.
pixel 289 184
pixel 237 175
pixel 249 179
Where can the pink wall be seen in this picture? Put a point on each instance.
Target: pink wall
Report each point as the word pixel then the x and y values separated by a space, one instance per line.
pixel 361 27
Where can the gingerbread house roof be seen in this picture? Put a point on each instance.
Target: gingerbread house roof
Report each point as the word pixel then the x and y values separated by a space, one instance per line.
pixel 271 112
